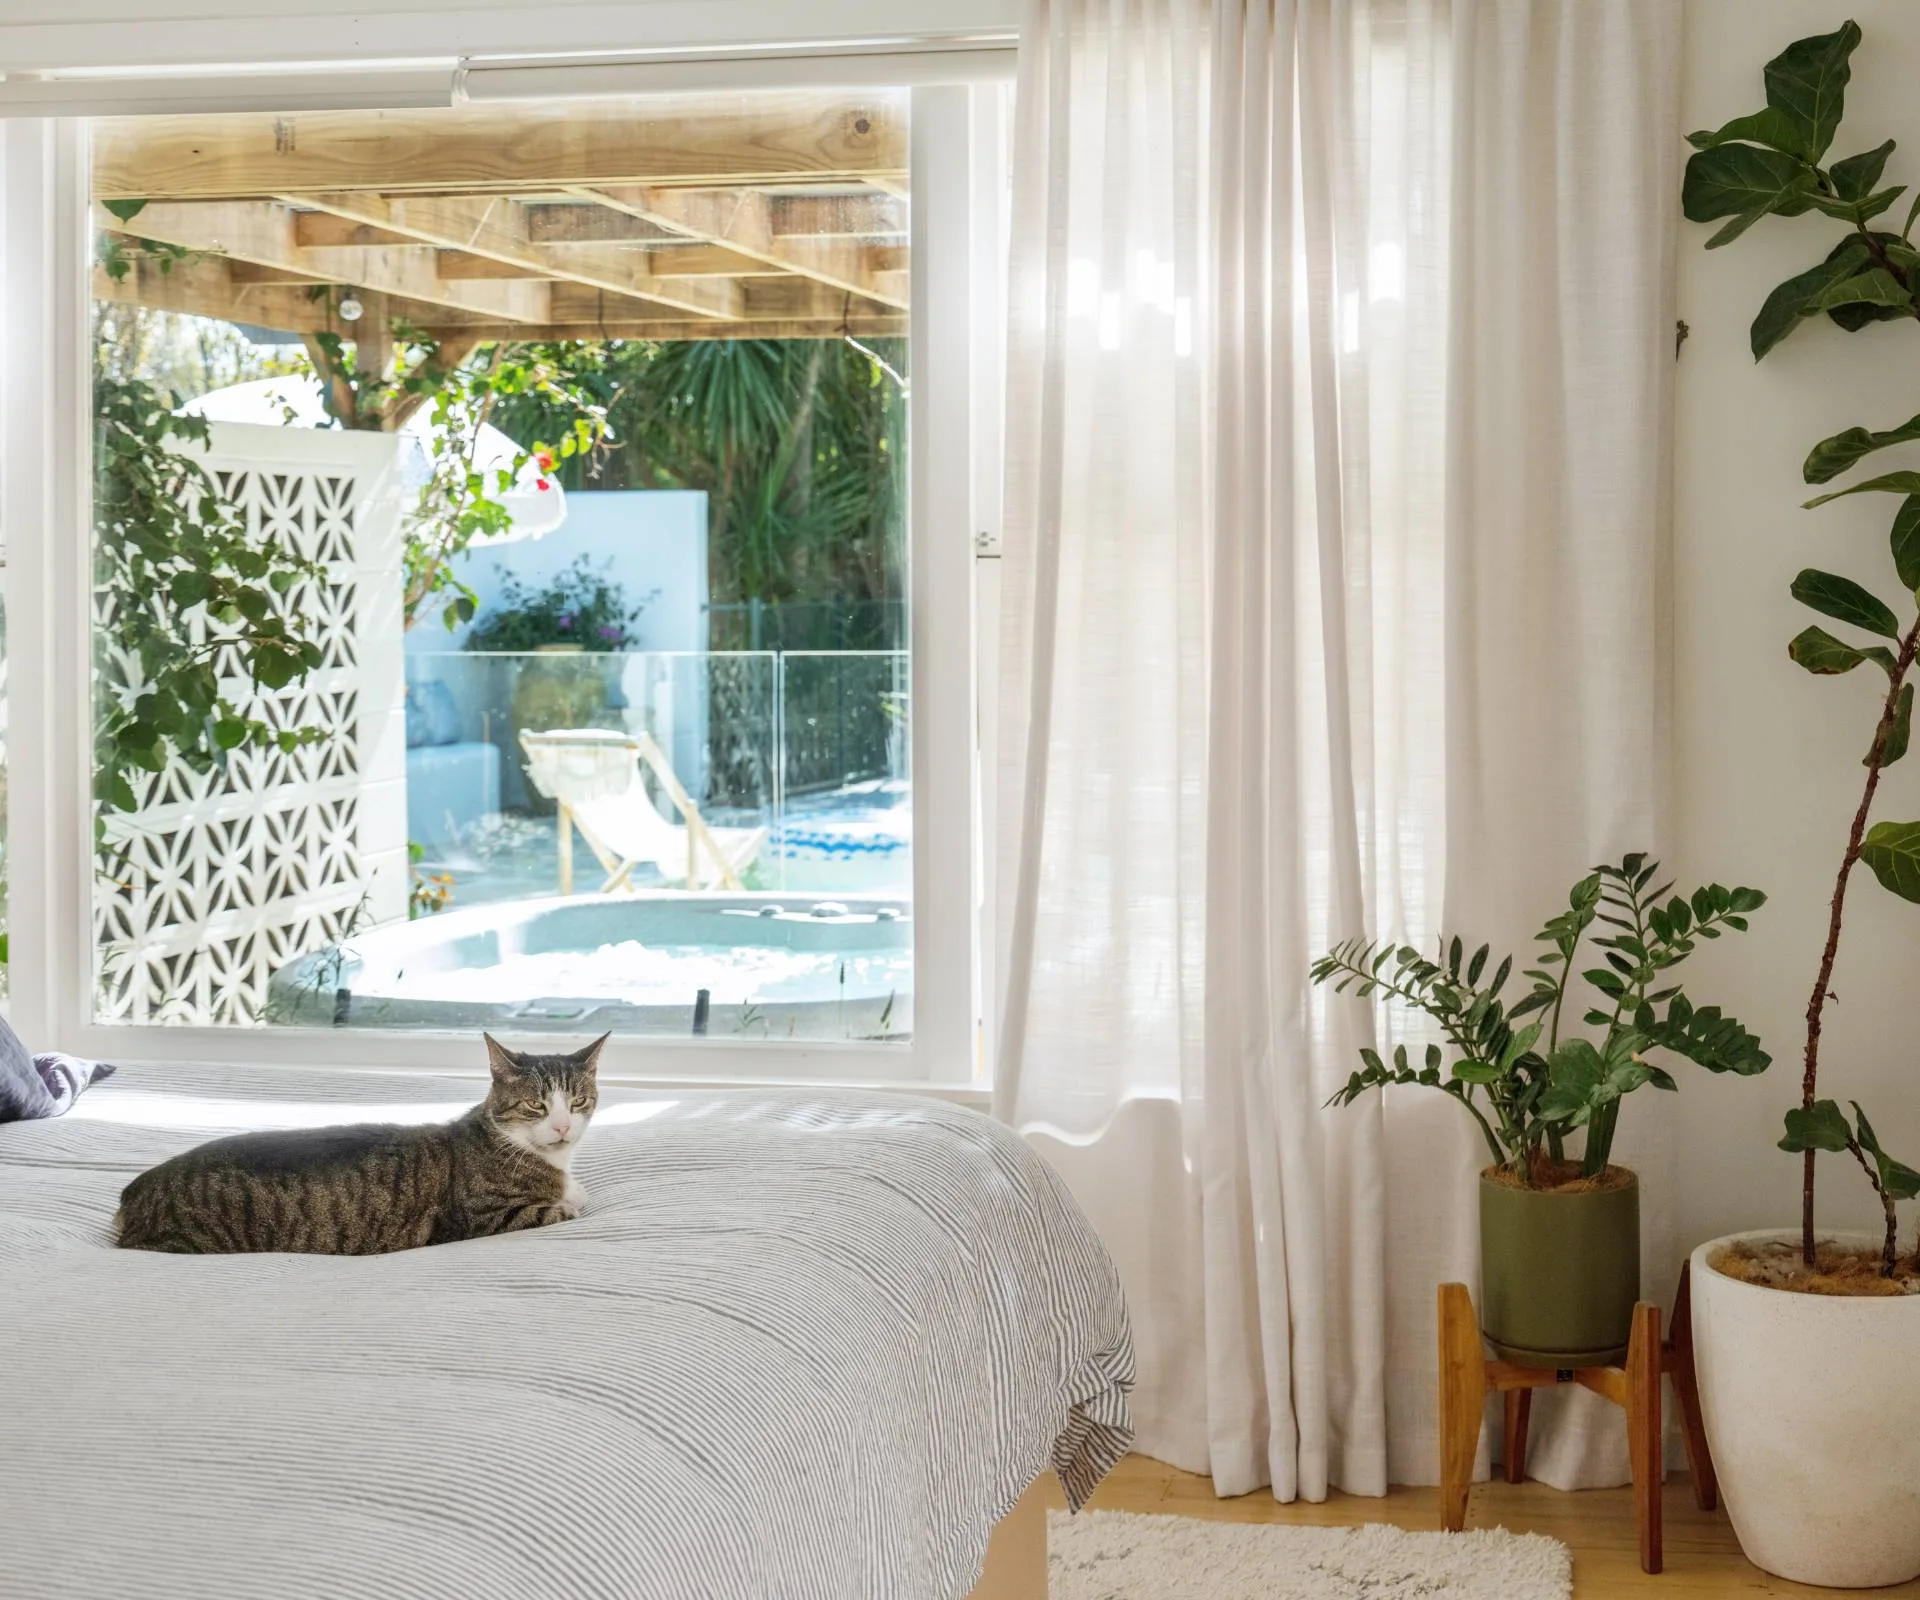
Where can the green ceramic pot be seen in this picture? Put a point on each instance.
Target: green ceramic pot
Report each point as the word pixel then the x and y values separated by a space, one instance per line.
pixel 1559 1273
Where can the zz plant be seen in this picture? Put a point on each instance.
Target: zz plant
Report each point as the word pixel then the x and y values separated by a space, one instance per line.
pixel 1527 1086
pixel 1774 162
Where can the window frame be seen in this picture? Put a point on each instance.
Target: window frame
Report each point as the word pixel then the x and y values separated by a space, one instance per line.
pixel 45 266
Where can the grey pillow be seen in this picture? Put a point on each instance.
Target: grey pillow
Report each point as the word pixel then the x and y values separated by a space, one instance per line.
pixel 40 1086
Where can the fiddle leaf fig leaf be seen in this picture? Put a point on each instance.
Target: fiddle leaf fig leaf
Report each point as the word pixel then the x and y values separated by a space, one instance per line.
pixel 1823 1126
pixel 1905 539
pixel 1864 209
pixel 1899 734
pixel 1874 287
pixel 1896 1178
pixel 1770 127
pixel 1845 601
pixel 1794 300
pixel 1892 850
pixel 1819 652
pixel 1886 483
pixel 1745 182
pixel 1854 177
pixel 1831 457
pixel 1807 84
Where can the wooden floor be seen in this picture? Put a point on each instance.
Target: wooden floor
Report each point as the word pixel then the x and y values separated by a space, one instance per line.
pixel 1703 1558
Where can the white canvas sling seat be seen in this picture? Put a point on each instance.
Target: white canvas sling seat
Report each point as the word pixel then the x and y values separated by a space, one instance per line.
pixel 594 776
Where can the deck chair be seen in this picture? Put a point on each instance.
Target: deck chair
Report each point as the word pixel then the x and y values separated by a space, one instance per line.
pixel 595 778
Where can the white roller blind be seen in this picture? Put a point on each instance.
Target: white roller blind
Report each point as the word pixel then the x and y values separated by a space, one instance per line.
pixel 171 35
pixel 905 64
pixel 361 87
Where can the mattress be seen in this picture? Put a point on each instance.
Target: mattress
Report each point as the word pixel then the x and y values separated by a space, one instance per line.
pixel 800 1344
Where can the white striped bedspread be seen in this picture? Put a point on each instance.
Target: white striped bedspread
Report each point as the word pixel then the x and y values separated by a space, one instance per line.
pixel 804 1345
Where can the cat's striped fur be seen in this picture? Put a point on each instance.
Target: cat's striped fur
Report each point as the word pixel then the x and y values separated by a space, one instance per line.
pixel 375 1187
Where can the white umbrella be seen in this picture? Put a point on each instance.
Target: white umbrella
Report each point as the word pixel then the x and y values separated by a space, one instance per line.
pixel 536 504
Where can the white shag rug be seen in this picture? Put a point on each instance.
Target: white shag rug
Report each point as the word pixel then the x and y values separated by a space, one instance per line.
pixel 1117 1555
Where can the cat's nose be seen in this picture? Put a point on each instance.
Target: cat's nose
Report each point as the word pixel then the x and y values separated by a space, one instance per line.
pixel 561 1129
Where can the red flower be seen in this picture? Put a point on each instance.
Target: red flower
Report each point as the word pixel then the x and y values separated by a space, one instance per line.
pixel 543 459
pixel 540 483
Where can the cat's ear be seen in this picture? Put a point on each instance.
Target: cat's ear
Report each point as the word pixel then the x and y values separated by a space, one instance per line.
pixel 504 1063
pixel 589 1058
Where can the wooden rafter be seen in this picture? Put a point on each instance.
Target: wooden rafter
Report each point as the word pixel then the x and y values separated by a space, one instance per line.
pixel 263 233
pixel 776 138
pixel 496 228
pixel 741 220
pixel 781 216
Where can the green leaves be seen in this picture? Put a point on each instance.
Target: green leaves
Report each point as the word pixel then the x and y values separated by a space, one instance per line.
pixel 1892 850
pixel 1899 735
pixel 1745 182
pixel 1819 652
pixel 1845 601
pixel 1706 1037
pixel 1896 1180
pixel 1775 172
pixel 1831 457
pixel 1905 540
pixel 1806 294
pixel 1807 84
pixel 194 593
pixel 1887 483
pixel 124 210
pixel 1854 177
pixel 1823 1126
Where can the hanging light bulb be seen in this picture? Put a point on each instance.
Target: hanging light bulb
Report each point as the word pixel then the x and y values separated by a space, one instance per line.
pixel 351 310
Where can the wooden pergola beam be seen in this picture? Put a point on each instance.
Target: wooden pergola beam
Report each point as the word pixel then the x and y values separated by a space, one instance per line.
pixel 498 229
pixel 741 220
pixel 839 216
pixel 264 233
pixel 801 136
pixel 209 287
pixel 868 327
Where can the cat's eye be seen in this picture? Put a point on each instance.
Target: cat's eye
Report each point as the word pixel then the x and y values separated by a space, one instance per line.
pixel 580 1102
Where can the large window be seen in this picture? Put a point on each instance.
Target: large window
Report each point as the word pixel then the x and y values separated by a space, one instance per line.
pixel 507 525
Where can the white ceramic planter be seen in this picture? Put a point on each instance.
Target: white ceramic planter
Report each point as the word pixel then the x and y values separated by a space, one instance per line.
pixel 1812 1410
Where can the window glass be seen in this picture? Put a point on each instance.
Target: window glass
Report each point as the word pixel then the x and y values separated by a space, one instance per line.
pixel 500 568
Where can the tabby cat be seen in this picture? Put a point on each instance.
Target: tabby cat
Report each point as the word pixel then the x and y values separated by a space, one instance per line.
pixel 375 1187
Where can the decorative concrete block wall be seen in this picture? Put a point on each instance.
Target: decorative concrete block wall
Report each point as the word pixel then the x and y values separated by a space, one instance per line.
pixel 220 878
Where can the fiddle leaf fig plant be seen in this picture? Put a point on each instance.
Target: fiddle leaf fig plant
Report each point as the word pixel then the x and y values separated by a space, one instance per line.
pixel 1526 1086
pixel 1771 163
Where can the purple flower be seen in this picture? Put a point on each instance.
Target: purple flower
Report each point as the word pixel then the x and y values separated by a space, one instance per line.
pixel 611 632
pixel 566 620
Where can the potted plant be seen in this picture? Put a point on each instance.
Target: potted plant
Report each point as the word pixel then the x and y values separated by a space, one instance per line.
pixel 1806 1346
pixel 1559 1235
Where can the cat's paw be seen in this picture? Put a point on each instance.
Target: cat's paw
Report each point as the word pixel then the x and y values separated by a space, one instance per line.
pixel 559 1211
pixel 574 1196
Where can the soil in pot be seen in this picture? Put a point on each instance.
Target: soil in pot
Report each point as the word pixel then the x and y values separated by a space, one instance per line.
pixel 1559 1266
pixel 1837 1269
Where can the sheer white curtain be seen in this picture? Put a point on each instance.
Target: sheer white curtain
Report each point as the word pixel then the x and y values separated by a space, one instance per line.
pixel 1329 605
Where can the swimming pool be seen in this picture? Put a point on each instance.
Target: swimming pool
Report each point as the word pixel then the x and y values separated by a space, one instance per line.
pixel 772 965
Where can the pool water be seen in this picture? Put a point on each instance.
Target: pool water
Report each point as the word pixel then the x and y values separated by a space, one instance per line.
pixel 767 964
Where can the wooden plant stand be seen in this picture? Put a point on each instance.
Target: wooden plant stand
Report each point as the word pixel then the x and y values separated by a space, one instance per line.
pixel 1467 1373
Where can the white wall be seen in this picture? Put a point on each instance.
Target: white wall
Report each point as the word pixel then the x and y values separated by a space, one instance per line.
pixel 1767 758
pixel 651 542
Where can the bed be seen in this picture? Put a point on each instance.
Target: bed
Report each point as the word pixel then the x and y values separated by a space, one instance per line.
pixel 801 1345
